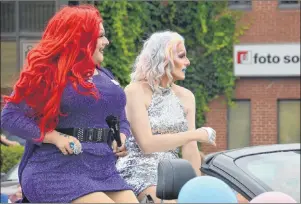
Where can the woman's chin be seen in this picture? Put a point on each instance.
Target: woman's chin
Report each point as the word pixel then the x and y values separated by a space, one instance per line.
pixel 100 59
pixel 179 77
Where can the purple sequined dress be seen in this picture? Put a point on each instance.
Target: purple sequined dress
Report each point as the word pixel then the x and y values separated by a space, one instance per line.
pixel 46 175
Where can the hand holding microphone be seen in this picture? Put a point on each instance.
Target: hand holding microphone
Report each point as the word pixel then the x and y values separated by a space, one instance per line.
pixel 113 123
pixel 118 143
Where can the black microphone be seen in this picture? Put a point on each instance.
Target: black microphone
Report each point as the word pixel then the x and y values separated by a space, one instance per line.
pixel 113 123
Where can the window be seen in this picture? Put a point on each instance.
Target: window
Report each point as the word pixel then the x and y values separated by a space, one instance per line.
pixel 239 124
pixel 34 15
pixel 25 46
pixel 8 17
pixel 289 4
pixel 8 63
pixel 289 121
pixel 86 2
pixel 73 3
pixel 240 4
pixel 279 171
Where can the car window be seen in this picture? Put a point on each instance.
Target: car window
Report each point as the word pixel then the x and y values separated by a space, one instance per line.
pixel 280 171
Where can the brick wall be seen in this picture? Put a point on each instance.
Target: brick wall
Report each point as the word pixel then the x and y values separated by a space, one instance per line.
pixel 269 25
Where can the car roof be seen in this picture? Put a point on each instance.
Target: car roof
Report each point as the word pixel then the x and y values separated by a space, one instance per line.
pixel 245 151
pixel 236 153
pixel 222 165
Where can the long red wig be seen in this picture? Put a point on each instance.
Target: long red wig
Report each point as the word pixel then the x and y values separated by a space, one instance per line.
pixel 63 54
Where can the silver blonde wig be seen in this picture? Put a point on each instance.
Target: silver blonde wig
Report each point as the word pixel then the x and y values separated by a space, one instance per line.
pixel 156 58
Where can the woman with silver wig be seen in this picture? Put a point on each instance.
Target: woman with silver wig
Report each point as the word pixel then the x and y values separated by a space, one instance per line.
pixel 161 114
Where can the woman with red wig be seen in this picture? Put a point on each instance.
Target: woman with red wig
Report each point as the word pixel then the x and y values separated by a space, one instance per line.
pixel 60 105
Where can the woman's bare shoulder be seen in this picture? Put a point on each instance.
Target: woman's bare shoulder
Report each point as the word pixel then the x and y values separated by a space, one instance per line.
pixel 183 92
pixel 138 88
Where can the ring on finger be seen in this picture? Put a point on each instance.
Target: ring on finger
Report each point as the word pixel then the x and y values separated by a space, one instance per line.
pixel 77 149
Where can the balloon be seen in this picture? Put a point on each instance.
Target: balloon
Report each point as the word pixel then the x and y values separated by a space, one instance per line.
pixel 4 198
pixel 206 189
pixel 273 197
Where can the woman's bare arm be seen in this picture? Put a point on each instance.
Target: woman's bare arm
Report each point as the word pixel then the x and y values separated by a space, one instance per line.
pixel 190 150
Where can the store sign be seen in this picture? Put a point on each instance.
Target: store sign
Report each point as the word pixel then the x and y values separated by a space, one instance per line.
pixel 267 60
pixel 25 47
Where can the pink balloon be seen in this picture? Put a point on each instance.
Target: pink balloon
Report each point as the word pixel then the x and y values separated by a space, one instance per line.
pixel 273 197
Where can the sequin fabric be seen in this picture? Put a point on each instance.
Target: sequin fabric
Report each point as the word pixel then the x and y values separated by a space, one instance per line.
pixel 166 115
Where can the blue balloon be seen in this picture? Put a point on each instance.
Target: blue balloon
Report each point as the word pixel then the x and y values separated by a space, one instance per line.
pixel 206 189
pixel 4 198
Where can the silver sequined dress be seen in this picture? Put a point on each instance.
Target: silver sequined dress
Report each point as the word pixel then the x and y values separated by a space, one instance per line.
pixel 166 115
